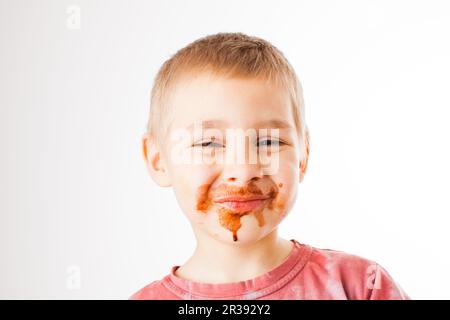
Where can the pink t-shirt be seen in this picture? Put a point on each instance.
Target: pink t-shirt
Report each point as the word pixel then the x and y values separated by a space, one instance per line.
pixel 307 273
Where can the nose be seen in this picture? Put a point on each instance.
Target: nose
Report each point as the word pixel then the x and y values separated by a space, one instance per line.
pixel 242 173
pixel 242 163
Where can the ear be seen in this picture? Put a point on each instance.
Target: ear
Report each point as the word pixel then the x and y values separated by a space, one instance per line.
pixel 304 161
pixel 156 165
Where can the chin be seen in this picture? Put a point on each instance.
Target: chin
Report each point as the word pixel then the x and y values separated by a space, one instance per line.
pixel 249 232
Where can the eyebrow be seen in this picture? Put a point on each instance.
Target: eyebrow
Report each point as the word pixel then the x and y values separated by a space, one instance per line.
pixel 273 123
pixel 216 123
pixel 207 124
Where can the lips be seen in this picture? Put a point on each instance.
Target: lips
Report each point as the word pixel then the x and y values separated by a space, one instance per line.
pixel 242 204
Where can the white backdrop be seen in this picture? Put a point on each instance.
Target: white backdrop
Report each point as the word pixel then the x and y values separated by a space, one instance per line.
pixel 80 218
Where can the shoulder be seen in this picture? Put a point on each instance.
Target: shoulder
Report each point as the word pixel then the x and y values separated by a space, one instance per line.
pixel 335 259
pixel 358 277
pixel 155 290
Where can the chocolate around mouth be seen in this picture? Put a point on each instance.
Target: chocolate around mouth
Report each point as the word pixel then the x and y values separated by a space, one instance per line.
pixel 229 217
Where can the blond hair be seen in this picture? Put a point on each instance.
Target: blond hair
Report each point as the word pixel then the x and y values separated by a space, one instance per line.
pixel 227 55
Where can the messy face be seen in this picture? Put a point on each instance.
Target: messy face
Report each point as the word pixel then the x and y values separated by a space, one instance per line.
pixel 233 156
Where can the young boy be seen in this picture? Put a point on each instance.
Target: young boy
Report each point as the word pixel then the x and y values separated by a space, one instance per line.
pixel 230 96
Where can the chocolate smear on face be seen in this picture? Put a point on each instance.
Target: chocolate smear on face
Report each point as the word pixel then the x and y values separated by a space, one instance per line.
pixel 230 221
pixel 228 218
pixel 203 202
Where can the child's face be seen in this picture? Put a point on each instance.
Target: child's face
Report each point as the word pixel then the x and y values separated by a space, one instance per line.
pixel 215 191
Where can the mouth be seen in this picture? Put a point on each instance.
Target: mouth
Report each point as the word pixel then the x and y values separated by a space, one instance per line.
pixel 241 205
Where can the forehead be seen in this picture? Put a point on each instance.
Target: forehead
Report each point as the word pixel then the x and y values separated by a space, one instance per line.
pixel 229 102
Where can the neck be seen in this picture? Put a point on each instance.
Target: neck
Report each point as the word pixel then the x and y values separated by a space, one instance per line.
pixel 217 262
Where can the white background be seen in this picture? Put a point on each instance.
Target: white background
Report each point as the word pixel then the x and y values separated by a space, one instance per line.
pixel 76 201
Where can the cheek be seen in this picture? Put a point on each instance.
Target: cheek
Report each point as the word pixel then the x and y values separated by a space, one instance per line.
pixel 282 204
pixel 287 183
pixel 192 184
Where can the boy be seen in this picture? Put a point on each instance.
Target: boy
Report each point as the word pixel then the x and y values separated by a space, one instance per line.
pixel 227 131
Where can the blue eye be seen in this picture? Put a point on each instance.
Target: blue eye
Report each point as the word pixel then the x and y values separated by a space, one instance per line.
pixel 269 143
